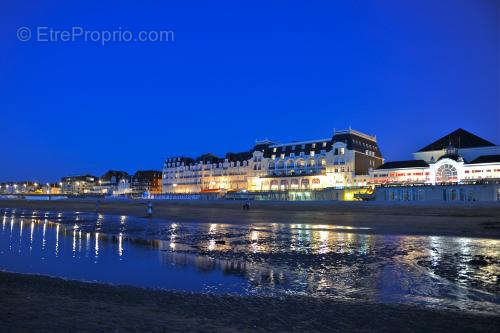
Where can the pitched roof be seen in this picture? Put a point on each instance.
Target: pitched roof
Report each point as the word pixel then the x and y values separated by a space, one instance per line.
pixel 486 159
pixel 404 164
pixel 458 139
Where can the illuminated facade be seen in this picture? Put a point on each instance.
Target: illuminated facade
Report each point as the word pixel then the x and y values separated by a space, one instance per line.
pixel 457 158
pixel 343 160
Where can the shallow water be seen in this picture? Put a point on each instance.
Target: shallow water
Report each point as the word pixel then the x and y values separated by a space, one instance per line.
pixel 263 259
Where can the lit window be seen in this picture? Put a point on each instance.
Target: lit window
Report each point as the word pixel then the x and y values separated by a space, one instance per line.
pixel 282 155
pixel 274 150
pixel 324 144
pixel 273 157
pixel 312 152
pixel 341 151
pixel 314 145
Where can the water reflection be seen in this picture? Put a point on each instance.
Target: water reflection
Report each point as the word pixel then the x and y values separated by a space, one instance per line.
pixel 319 260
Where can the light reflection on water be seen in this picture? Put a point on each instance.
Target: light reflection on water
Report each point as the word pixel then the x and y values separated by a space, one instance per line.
pixel 318 260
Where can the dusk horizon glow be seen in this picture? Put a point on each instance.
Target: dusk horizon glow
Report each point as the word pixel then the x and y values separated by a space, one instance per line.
pixel 408 73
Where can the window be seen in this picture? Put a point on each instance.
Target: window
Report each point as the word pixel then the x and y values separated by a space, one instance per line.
pixel 274 150
pixel 273 156
pixel 313 145
pixel 293 147
pixel 336 152
pixel 446 173
pixel 303 146
pixel 292 154
pixel 341 151
pixel 324 144
pixel 282 156
pixel 312 152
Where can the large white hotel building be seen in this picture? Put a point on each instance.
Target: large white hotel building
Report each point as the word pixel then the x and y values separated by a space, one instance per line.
pixel 344 160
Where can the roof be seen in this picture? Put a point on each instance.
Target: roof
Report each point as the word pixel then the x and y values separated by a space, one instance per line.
pixel 458 139
pixel 114 173
pixel 454 157
pixel 486 159
pixel 404 164
pixel 354 140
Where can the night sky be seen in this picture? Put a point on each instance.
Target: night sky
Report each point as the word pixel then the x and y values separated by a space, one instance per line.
pixel 239 71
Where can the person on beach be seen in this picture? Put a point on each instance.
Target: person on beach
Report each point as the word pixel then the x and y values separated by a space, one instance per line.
pixel 150 209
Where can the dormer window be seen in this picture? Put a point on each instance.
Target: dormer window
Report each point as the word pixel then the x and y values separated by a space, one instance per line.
pixel 324 144
pixel 274 150
pixel 313 145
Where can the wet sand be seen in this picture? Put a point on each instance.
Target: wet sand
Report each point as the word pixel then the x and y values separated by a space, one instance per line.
pixel 39 303
pixel 470 220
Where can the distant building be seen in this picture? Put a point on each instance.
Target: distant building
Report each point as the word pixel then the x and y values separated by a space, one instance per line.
pixel 344 160
pixel 81 184
pixel 458 158
pixel 146 181
pixel 110 181
pixel 19 187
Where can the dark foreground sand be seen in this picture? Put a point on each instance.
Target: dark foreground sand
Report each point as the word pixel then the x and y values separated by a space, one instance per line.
pixel 38 303
pixel 476 220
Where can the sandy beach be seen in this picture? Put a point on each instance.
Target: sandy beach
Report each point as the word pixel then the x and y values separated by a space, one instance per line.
pixel 477 220
pixel 40 303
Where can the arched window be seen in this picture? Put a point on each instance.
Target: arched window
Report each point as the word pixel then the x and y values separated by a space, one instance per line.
pixel 446 173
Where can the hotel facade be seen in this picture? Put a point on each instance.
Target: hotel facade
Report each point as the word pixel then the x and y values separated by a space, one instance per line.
pixel 344 160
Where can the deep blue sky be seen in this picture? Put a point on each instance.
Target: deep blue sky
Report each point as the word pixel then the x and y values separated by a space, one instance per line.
pixel 407 71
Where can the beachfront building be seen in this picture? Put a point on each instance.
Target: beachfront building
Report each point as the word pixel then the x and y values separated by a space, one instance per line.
pixel 146 181
pixel 109 182
pixel 80 184
pixel 343 160
pixel 19 187
pixel 458 158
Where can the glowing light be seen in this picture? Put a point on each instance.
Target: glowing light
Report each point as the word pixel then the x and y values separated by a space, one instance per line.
pixel 120 244
pixel 96 244
pixel 57 240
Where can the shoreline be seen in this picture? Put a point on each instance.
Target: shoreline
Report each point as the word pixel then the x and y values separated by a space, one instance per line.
pixel 478 220
pixel 29 300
